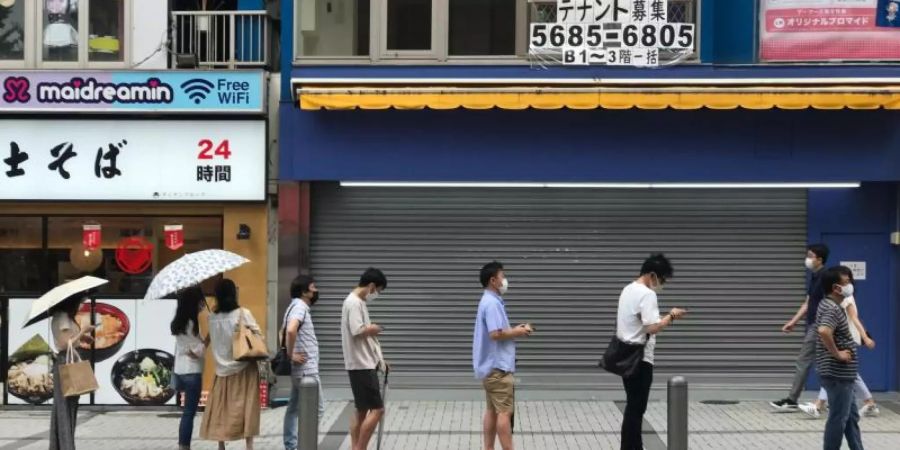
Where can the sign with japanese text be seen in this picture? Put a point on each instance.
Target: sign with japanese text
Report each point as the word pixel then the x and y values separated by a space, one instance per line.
pixel 611 32
pixel 823 30
pixel 132 91
pixel 155 160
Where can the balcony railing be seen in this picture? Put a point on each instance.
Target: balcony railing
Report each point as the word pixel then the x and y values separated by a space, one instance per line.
pixel 221 39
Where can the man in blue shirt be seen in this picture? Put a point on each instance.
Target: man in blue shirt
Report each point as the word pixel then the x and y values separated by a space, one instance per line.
pixel 816 257
pixel 494 356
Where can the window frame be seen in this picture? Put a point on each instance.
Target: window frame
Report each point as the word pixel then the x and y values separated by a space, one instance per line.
pixel 378 54
pixel 34 45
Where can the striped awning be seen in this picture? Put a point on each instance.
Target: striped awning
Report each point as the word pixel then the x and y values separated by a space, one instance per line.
pixel 616 94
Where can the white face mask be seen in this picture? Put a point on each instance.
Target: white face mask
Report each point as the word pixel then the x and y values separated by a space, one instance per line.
pixel 809 263
pixel 658 287
pixel 504 286
pixel 371 297
pixel 847 291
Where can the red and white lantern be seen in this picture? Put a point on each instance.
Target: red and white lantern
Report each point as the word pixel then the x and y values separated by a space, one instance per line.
pixel 91 236
pixel 174 236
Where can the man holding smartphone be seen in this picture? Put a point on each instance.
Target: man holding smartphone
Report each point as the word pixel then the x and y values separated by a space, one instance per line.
pixel 494 356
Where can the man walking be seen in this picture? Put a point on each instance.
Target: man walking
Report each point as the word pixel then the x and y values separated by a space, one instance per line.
pixel 836 361
pixel 816 257
pixel 362 357
pixel 638 322
pixel 494 356
pixel 300 338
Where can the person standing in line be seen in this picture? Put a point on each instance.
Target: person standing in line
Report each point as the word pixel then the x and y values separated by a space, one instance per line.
pixel 232 408
pixel 816 257
pixel 66 333
pixel 638 322
pixel 860 337
pixel 189 353
pixel 362 357
pixel 836 361
pixel 494 356
pixel 300 337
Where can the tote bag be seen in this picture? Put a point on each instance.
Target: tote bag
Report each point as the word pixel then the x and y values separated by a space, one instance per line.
pixel 247 345
pixel 76 376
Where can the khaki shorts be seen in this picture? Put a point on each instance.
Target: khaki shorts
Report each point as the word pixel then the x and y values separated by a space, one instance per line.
pixel 499 388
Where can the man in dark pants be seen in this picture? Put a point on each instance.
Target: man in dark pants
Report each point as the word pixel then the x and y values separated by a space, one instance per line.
pixel 638 323
pixel 816 257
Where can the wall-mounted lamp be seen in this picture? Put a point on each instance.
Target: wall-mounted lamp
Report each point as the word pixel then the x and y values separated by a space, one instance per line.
pixel 243 232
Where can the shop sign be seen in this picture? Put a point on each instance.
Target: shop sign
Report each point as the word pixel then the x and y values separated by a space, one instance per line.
pixel 857 267
pixel 174 236
pixel 132 91
pixel 822 30
pixel 614 32
pixel 156 160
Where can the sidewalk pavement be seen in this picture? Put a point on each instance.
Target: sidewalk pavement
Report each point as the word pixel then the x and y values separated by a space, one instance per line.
pixel 456 425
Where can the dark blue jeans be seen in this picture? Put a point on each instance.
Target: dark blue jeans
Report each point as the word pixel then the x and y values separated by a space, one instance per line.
pixel 190 384
pixel 843 418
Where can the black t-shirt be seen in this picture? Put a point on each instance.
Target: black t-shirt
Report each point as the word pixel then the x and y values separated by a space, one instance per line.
pixel 816 294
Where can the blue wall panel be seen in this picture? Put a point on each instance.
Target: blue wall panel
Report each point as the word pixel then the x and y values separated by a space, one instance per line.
pixel 597 145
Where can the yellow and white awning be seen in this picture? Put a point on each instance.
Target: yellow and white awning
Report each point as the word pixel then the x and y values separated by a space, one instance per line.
pixel 615 94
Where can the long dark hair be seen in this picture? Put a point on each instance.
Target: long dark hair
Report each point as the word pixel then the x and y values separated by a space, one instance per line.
pixel 70 305
pixel 226 296
pixel 189 301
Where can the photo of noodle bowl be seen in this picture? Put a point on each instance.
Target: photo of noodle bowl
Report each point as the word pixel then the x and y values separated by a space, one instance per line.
pixel 144 377
pixel 112 327
pixel 32 379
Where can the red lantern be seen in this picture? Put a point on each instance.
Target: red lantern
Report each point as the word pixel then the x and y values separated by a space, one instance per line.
pixel 174 236
pixel 134 255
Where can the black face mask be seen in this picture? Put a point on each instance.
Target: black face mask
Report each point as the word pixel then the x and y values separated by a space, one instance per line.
pixel 314 298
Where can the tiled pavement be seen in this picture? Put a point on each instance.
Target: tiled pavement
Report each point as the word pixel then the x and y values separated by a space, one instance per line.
pixel 452 425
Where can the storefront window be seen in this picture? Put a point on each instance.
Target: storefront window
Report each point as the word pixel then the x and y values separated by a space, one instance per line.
pixel 106 30
pixel 328 28
pixel 12 31
pixel 131 252
pixel 21 254
pixel 60 19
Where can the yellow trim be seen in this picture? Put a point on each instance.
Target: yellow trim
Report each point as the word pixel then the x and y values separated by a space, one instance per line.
pixel 835 97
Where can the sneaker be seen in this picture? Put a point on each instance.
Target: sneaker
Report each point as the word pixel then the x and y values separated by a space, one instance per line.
pixel 869 410
pixel 785 405
pixel 810 410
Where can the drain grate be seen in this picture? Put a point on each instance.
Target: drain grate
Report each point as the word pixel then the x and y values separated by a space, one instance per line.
pixel 720 402
pixel 169 415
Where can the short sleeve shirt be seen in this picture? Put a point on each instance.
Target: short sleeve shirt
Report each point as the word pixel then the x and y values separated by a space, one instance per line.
pixel 359 350
pixel 488 354
pixel 306 343
pixel 831 315
pixel 816 294
pixel 638 309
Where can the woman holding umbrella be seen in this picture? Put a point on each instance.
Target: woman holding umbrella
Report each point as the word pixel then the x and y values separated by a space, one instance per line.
pixel 61 304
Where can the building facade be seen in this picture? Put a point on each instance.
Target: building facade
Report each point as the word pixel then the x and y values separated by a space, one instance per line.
pixel 428 137
pixel 132 133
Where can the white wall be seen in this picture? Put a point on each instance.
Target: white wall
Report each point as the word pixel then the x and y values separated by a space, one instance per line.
pixel 149 22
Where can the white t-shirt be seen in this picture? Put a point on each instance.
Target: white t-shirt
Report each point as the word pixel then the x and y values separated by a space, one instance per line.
pixel 638 309
pixel 853 330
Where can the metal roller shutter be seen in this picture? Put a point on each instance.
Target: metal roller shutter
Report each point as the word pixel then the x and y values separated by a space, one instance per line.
pixel 737 255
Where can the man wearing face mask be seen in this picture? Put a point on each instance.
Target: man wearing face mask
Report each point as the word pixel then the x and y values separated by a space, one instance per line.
pixel 300 336
pixel 836 361
pixel 638 322
pixel 494 356
pixel 816 257
pixel 362 357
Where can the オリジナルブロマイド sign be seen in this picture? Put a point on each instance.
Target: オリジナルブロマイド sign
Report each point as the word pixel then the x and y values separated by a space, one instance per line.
pixel 132 91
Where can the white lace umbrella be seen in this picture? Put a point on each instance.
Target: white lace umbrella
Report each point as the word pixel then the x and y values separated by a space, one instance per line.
pixel 192 269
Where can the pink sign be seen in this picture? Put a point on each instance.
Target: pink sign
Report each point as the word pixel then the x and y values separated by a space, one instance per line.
pixel 825 30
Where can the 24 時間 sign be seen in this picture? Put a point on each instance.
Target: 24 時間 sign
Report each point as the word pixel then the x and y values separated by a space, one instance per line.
pixel 611 32
pixel 135 160
pixel 132 91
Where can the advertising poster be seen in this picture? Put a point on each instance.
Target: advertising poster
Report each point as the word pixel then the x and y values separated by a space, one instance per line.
pixel 829 30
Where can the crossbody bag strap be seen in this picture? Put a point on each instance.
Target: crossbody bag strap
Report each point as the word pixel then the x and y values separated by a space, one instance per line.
pixel 284 327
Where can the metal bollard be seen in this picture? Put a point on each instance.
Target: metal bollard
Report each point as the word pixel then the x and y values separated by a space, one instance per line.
pixel 678 413
pixel 309 414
